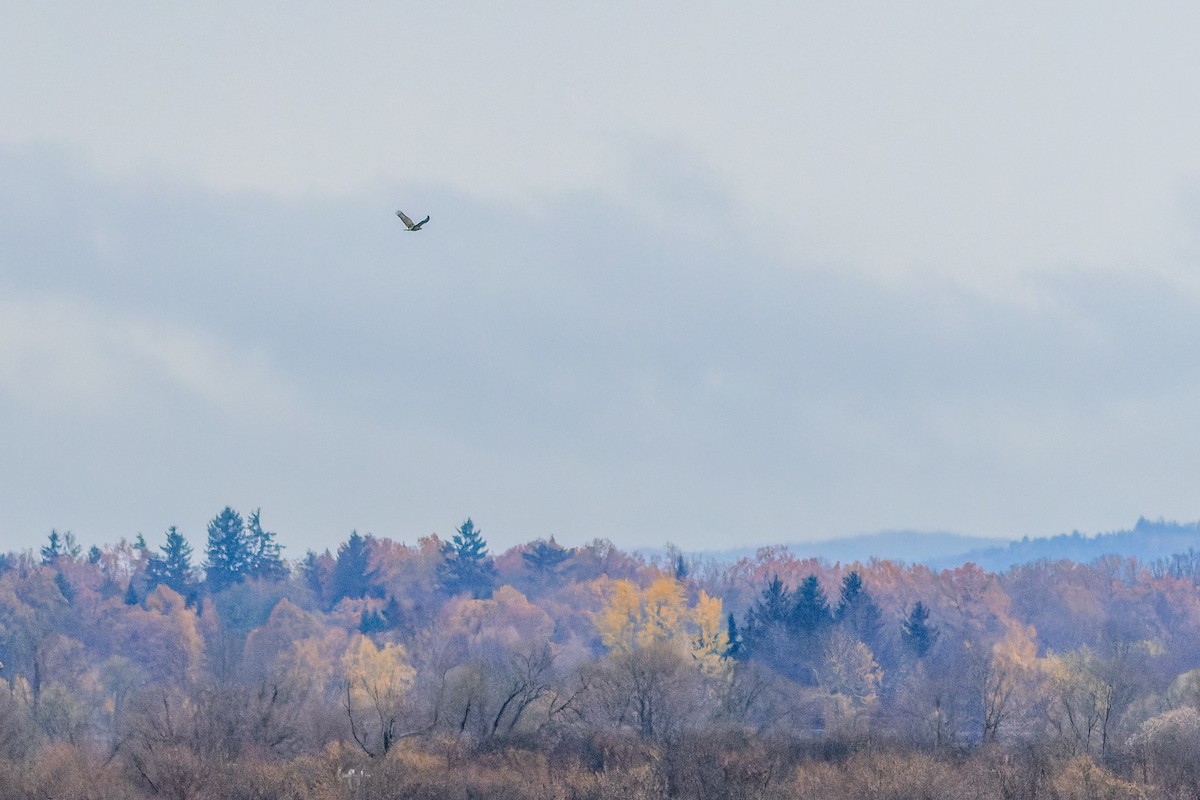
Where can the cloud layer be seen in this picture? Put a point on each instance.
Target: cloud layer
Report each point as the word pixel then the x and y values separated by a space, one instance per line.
pixel 582 366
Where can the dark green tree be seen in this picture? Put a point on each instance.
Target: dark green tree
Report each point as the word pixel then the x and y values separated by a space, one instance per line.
pixel 544 557
pixel 370 622
pixel 60 545
pixel 765 635
pixel 916 633
pixel 467 566
pixel 393 614
pixel 353 576
pixel 229 553
pixel 734 650
pixel 811 615
pixel 65 587
pixel 317 571
pixel 266 562
pixel 173 568
pixel 857 613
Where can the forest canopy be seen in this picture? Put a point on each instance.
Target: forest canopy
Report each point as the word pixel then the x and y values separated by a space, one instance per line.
pixel 223 669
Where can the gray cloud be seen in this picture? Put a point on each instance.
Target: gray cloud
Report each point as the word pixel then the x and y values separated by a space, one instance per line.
pixel 646 371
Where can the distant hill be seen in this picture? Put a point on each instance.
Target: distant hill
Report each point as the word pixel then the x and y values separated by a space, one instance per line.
pixel 1148 541
pixel 910 547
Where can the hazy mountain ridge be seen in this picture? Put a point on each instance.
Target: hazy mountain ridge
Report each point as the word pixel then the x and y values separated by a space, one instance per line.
pixel 1147 541
pixel 910 547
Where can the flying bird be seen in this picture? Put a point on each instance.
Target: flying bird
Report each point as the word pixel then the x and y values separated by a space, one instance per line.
pixel 408 223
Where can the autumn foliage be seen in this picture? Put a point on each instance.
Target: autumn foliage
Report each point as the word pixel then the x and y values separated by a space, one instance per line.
pixel 439 670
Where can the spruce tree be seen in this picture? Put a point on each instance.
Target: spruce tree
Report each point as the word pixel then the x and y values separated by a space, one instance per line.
pixel 811 615
pixel 60 545
pixel 265 562
pixel 857 613
pixel 734 650
pixel 53 548
pixel 544 556
pixel 315 570
pixel 468 567
pixel 352 573
pixel 918 635
pixel 229 554
pixel 173 568
pixel 765 632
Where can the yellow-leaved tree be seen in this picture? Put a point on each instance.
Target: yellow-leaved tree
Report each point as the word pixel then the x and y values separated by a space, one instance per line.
pixel 660 614
pixel 666 659
pixel 376 681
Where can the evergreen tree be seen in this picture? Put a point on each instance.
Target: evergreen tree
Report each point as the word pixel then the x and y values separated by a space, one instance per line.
pixel 60 545
pixel 467 566
pixel 94 555
pixel 765 632
pixel 265 561
pixel 916 633
pixel 857 613
pixel 352 573
pixel 229 554
pixel 370 622
pixel 681 569
pixel 65 587
pixel 173 568
pixel 811 615
pixel 52 549
pixel 314 572
pixel 393 614
pixel 544 557
pixel 131 595
pixel 772 609
pixel 734 650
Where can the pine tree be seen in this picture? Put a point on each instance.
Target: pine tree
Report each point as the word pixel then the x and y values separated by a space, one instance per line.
pixel 265 561
pixel 681 568
pixel 734 650
pixel 811 615
pixel 771 609
pixel 352 574
pixel 857 613
pixel 60 545
pixel 370 622
pixel 173 568
pixel 918 635
pixel 315 572
pixel 765 632
pixel 53 548
pixel 544 557
pixel 467 566
pixel 228 551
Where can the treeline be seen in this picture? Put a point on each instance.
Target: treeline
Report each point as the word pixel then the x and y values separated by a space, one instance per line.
pixel 439 669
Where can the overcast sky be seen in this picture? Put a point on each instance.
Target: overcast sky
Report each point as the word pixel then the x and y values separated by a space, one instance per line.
pixel 713 274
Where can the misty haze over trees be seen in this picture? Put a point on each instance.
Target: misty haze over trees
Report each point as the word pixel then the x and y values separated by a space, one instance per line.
pixel 222 669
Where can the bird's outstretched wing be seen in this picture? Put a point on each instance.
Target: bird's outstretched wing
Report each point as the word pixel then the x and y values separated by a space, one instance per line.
pixel 417 227
pixel 408 223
